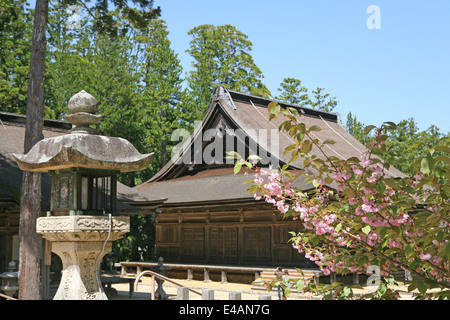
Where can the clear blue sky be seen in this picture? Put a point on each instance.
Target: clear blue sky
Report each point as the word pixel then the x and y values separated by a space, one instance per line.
pixel 399 71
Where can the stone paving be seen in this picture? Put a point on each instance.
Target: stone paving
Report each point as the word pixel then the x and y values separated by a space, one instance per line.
pixel 221 291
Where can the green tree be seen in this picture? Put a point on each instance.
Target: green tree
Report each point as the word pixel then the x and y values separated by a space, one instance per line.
pixel 402 139
pixel 222 57
pixel 65 63
pixel 163 94
pixel 356 129
pixel 76 61
pixel 323 102
pixel 15 37
pixel 411 143
pixel 293 92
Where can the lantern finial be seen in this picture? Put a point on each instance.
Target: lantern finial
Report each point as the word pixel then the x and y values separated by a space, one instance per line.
pixel 82 108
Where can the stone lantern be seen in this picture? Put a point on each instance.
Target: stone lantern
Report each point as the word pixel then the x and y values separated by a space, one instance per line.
pixel 83 219
pixel 9 280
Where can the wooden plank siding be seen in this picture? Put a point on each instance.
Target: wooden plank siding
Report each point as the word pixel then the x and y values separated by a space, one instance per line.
pixel 227 237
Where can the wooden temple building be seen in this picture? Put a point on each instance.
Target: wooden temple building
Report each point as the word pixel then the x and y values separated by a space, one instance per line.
pixel 209 217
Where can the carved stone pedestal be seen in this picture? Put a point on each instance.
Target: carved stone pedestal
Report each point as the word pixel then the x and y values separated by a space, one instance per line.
pixel 81 242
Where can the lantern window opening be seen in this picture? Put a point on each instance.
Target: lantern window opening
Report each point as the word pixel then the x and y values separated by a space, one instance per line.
pixel 83 191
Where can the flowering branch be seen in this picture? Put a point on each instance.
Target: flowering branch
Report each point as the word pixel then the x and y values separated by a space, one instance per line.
pixel 358 214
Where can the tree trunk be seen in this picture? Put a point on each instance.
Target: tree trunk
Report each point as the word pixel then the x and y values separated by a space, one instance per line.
pixel 30 204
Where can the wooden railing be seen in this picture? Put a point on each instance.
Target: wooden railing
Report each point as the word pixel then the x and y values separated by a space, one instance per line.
pixel 157 275
pixel 7 297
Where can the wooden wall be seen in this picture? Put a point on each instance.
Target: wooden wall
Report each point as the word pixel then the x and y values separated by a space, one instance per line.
pixel 227 235
pixel 9 227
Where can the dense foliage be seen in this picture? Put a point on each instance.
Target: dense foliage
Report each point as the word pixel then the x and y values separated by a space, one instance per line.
pixel 15 37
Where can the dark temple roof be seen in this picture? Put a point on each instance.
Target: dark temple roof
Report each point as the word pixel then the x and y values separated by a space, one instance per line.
pixel 185 180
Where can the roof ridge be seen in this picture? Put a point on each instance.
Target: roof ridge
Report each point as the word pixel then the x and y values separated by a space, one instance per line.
pixel 264 102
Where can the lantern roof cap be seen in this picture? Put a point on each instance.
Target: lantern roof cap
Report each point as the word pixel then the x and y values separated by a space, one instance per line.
pixel 82 148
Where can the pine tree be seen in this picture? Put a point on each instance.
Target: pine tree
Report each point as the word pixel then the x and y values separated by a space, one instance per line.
pixel 293 92
pixel 323 102
pixel 222 57
pixel 15 38
pixel 64 58
pixel 163 94
pixel 356 129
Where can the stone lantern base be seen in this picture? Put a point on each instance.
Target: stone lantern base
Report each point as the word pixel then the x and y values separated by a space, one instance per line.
pixel 81 242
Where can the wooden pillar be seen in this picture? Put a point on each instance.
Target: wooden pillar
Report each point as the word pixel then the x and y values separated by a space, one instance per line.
pixel 241 245
pixel 189 274
pixel 274 231
pixel 206 275
pixel 355 278
pixel 332 277
pixel 180 239
pixel 316 278
pixel 207 244
pixel 223 277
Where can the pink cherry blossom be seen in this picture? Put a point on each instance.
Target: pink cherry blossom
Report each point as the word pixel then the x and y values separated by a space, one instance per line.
pixel 366 162
pixel 425 256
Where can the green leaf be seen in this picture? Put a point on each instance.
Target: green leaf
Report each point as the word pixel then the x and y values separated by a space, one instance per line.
pixel 347 291
pixel 426 165
pixel 391 124
pixel 237 168
pixel 415 145
pixel 315 183
pixel 315 128
pixel 287 291
pixel 306 146
pixel 290 148
pixel 329 141
pixel 300 285
pixel 366 229
pixel 433 219
pixel 380 187
pixel 443 148
pixel 393 209
pixel 254 158
pixel 409 250
pixel 443 158
pixel 233 155
pixel 422 287
pixel 412 286
pixel 315 240
pixel 274 108
pixel 368 129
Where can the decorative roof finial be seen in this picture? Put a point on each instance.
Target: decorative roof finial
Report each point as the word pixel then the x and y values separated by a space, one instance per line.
pixel 82 108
